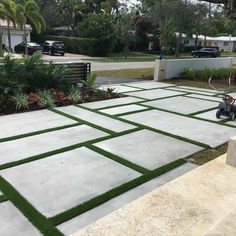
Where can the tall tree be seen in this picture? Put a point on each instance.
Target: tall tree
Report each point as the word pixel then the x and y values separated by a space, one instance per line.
pixel 10 16
pixel 29 11
pixel 2 16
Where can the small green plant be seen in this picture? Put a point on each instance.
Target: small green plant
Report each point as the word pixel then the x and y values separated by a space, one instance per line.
pixel 91 80
pixel 74 94
pixel 46 99
pixel 187 73
pixel 21 101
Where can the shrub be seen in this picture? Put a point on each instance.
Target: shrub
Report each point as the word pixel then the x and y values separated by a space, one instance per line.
pixel 74 95
pixel 31 73
pixel 221 73
pixel 187 73
pixel 21 101
pixel 76 45
pixel 46 99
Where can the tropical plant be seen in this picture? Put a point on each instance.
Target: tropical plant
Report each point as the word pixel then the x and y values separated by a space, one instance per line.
pixel 29 10
pixel 91 81
pixel 2 16
pixel 74 95
pixel 20 100
pixel 46 99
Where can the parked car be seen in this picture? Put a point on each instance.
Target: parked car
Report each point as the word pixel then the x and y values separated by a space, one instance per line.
pixel 206 52
pixel 54 47
pixel 32 48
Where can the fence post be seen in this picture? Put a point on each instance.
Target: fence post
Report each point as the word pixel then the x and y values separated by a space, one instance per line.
pixel 231 154
pixel 160 70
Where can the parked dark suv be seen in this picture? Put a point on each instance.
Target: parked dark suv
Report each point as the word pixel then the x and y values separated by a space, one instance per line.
pixel 32 48
pixel 206 52
pixel 54 47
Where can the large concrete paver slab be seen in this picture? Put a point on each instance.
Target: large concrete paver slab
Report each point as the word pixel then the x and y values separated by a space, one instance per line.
pixel 211 115
pixel 26 147
pixel 111 102
pixel 183 105
pixel 28 122
pixel 13 223
pixel 93 215
pixel 155 93
pixel 198 89
pixel 148 149
pixel 62 181
pixel 118 88
pixel 204 97
pixel 191 91
pixel 231 122
pixel 150 85
pixel 123 109
pixel 97 119
pixel 198 130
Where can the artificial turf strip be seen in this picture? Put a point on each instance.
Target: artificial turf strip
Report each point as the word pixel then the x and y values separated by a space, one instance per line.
pixel 37 132
pixel 118 159
pixel 94 202
pixel 3 198
pixel 65 149
pixel 44 225
pixel 203 111
pixel 150 128
pixel 83 121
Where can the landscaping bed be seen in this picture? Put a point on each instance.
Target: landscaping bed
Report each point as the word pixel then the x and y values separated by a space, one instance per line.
pixel 29 84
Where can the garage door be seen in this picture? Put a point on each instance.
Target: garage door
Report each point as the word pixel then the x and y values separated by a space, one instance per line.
pixel 16 39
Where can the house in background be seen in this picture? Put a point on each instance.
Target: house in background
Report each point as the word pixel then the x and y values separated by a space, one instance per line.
pixel 225 43
pixel 17 34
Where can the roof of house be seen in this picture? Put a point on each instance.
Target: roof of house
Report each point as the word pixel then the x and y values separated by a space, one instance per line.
pixel 3 24
pixel 228 38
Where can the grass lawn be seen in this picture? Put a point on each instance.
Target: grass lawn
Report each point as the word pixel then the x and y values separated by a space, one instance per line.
pixel 208 155
pixel 200 84
pixel 129 73
pixel 139 56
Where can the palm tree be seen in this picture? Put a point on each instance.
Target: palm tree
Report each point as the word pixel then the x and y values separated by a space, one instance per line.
pixel 2 16
pixel 10 16
pixel 29 10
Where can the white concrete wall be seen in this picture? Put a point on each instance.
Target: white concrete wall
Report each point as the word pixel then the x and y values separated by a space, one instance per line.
pixel 173 68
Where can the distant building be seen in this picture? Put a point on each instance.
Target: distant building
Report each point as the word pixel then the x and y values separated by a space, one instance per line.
pixel 225 43
pixel 17 34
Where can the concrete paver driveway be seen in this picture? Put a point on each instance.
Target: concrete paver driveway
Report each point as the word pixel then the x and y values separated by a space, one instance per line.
pixel 63 169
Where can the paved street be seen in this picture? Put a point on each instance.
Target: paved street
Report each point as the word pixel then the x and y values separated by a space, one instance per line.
pixel 99 66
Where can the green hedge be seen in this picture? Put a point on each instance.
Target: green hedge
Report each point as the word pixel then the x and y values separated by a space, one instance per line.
pixel 221 73
pixel 76 45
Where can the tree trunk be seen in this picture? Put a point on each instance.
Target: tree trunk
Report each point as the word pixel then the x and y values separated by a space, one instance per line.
pixel 196 41
pixel 178 41
pixel 9 35
pixel 1 51
pixel 25 40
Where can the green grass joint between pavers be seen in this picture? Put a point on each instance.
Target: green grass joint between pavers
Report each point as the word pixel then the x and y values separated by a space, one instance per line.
pixel 38 132
pixel 3 198
pixel 83 121
pixel 118 159
pixel 100 199
pixel 149 128
pixel 36 218
pixel 65 149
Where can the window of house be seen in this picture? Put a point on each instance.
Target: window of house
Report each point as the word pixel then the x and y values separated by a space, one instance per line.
pixel 226 44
